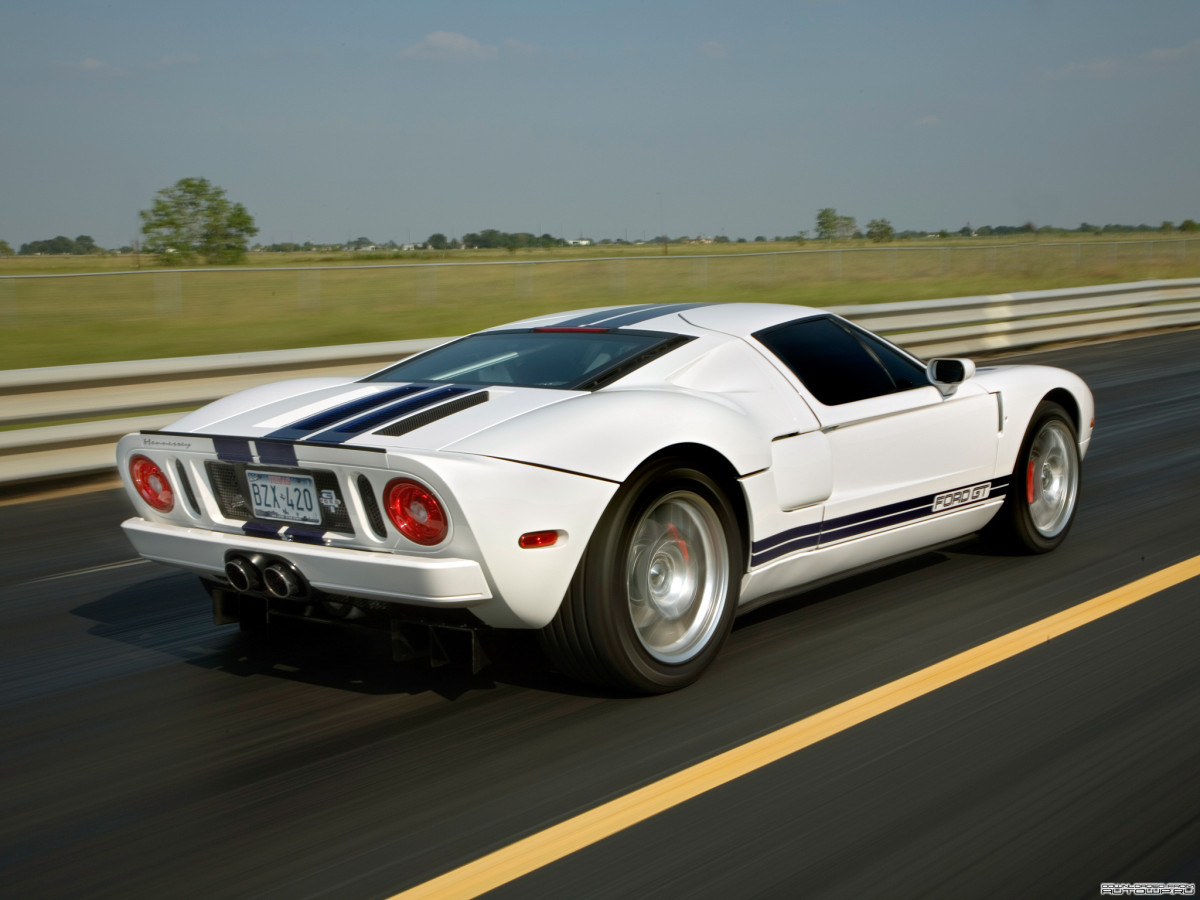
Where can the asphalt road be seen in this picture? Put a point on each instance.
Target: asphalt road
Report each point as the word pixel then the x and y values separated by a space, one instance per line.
pixel 146 752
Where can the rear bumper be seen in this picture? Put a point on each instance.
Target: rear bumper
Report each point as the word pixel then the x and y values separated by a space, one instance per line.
pixel 367 574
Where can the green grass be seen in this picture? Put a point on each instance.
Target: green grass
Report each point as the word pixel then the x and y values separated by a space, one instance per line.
pixel 56 321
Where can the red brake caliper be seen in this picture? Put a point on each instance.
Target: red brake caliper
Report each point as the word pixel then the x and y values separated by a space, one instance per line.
pixel 678 538
pixel 1029 492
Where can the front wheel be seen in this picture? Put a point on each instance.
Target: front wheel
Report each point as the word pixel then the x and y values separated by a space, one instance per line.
pixel 1044 493
pixel 654 596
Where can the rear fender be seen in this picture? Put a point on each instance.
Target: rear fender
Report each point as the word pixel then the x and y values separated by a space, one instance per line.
pixel 608 434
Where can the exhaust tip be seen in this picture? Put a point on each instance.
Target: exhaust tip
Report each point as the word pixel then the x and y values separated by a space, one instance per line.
pixel 284 582
pixel 243 575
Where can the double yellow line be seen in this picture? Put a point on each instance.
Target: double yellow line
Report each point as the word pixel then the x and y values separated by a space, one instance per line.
pixel 540 849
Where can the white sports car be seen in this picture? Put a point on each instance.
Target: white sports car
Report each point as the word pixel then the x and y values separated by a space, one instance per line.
pixel 623 479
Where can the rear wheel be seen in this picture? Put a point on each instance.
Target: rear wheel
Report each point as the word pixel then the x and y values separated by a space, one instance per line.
pixel 654 596
pixel 1044 493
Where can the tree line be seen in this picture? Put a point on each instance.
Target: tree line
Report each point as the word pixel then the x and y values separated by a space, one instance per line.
pixel 830 226
pixel 192 220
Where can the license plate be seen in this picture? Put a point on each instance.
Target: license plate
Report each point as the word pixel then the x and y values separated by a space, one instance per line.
pixel 284 498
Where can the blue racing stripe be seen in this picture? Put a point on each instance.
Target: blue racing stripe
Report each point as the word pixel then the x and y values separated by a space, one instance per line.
pixel 861 524
pixel 276 453
pixel 633 318
pixel 328 417
pixel 592 318
pixel 377 417
pixel 803 531
pixel 256 529
pixel 302 535
pixel 232 449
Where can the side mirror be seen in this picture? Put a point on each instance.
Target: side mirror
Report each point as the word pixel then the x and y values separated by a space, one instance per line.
pixel 947 374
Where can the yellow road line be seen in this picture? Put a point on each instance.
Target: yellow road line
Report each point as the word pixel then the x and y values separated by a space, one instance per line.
pixel 544 847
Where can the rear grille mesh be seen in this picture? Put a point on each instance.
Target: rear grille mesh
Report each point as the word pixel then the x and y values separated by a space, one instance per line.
pixel 227 489
pixel 337 518
pixel 193 506
pixel 371 506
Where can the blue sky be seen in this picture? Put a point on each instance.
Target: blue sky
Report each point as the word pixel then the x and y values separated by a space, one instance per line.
pixel 394 120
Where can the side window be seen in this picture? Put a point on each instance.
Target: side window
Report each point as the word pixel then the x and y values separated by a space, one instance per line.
pixel 829 360
pixel 905 372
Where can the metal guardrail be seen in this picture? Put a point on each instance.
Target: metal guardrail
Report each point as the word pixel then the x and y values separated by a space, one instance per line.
pixel 147 394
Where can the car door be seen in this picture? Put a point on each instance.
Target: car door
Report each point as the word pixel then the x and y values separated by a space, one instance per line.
pixel 898 444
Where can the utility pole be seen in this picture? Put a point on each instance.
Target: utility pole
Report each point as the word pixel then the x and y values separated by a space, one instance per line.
pixel 662 224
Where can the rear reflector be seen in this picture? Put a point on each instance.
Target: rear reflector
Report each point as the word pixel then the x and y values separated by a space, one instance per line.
pixel 535 539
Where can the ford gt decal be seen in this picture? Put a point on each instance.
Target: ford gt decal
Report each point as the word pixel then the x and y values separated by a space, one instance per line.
pixel 961 497
pixel 872 521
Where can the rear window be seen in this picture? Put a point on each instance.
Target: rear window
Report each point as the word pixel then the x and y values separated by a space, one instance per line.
pixel 568 360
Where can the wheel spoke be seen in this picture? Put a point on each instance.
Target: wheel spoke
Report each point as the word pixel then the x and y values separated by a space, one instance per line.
pixel 1052 478
pixel 677 573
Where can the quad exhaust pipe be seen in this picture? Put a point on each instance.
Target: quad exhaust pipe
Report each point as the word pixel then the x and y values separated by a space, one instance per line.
pixel 280 579
pixel 284 582
pixel 243 575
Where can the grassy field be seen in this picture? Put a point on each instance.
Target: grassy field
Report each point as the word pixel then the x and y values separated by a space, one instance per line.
pixel 346 298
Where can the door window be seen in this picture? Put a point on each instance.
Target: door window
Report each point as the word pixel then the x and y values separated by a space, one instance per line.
pixel 839 363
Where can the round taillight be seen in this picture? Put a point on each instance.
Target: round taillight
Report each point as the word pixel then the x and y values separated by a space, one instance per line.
pixel 151 483
pixel 415 512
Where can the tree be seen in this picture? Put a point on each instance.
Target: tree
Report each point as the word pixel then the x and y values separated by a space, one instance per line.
pixel 437 241
pixel 1189 225
pixel 5 249
pixel 85 243
pixel 827 224
pixel 880 231
pixel 192 218
pixel 1166 226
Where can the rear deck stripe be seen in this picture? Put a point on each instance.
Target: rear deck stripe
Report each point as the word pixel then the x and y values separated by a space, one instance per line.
pixel 421 419
pixel 392 411
pixel 596 315
pixel 276 453
pixel 323 420
pixel 232 449
pixel 621 316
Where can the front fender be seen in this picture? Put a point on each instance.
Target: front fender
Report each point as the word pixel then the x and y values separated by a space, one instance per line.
pixel 1021 389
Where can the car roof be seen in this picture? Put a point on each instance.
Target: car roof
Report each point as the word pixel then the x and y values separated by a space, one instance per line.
pixel 681 318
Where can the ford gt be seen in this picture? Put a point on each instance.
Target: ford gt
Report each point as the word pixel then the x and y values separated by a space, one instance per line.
pixel 624 480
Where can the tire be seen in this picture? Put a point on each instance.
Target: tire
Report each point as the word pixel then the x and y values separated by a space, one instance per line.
pixel 653 598
pixel 1044 494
